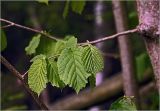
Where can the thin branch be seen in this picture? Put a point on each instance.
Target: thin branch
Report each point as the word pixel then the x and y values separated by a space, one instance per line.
pixel 6 26
pixel 111 37
pixel 54 38
pixel 19 76
pixel 28 28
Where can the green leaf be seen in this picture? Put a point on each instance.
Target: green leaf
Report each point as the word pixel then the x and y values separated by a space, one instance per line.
pixel 92 80
pixel 124 103
pixel 43 1
pixel 66 8
pixel 46 47
pixel 3 40
pixel 31 48
pixel 72 42
pixel 60 45
pixel 78 6
pixel 38 57
pixel 142 63
pixel 37 75
pixel 53 75
pixel 71 70
pixel 92 59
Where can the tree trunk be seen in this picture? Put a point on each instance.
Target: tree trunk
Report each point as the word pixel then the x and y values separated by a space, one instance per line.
pixel 149 28
pixel 129 77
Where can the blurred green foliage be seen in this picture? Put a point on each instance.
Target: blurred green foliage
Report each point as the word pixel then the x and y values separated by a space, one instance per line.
pixel 3 40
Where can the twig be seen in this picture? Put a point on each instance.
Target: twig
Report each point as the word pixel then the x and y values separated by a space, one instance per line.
pixel 19 76
pixel 28 28
pixel 111 37
pixel 54 38
pixel 6 26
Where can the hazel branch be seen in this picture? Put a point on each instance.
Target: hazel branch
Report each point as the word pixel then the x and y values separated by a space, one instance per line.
pixel 54 38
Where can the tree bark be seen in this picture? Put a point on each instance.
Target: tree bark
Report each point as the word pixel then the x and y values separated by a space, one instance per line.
pixel 129 77
pixel 149 28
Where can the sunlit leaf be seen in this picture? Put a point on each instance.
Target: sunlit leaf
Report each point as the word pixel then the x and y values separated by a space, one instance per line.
pixel 71 70
pixel 37 75
pixel 31 48
pixel 92 59
pixel 60 45
pixel 37 57
pixel 72 42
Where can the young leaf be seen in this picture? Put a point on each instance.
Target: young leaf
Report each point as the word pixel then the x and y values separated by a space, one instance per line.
pixel 124 103
pixel 37 75
pixel 53 75
pixel 43 1
pixel 71 70
pixel 78 6
pixel 60 45
pixel 31 48
pixel 72 42
pixel 3 40
pixel 38 57
pixel 92 59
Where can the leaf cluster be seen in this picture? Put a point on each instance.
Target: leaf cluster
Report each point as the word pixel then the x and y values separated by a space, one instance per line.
pixel 62 63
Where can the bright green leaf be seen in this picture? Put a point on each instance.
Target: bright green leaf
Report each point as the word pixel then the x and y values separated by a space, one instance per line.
pixel 78 6
pixel 3 40
pixel 43 1
pixel 37 75
pixel 92 59
pixel 71 70
pixel 38 57
pixel 60 45
pixel 53 75
pixel 31 48
pixel 72 42
pixel 124 103
pixel 66 8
